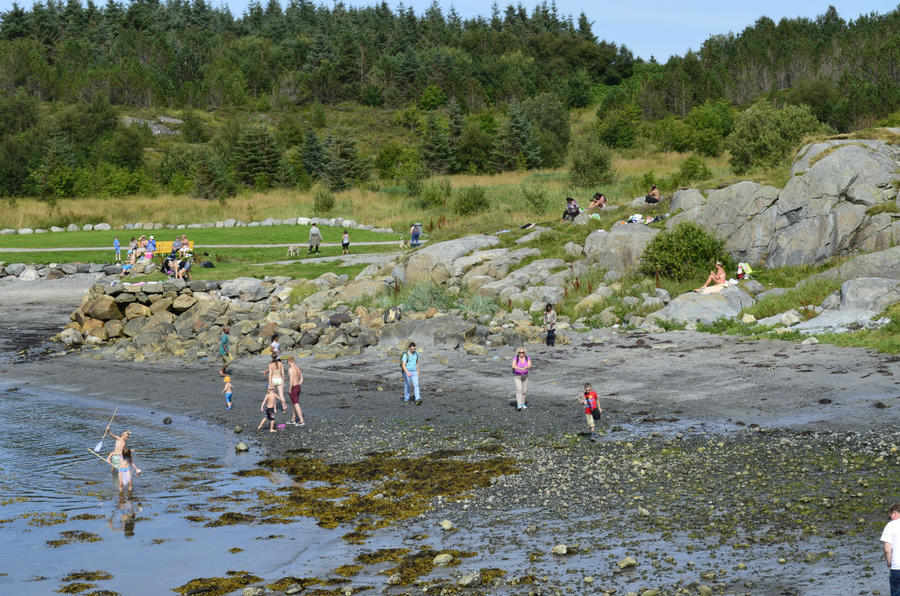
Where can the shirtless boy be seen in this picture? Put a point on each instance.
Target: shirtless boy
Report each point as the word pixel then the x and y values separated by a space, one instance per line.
pixel 295 376
pixel 268 406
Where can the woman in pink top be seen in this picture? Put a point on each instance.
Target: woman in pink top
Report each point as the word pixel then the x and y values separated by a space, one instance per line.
pixel 521 364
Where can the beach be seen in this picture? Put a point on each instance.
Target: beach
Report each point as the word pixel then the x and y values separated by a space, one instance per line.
pixel 757 467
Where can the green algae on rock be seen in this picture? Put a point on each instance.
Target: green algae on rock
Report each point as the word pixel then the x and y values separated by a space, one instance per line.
pixel 348 570
pixel 75 588
pixel 90 576
pixel 229 519
pixel 218 586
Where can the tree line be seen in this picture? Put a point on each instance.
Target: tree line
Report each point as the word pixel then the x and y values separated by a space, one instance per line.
pixel 487 94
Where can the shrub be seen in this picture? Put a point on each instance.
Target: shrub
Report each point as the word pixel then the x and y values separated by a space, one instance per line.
pixel 693 169
pixel 686 252
pixel 323 200
pixel 671 134
pixel 471 200
pixel 618 129
pixel 435 193
pixel 211 178
pixel 709 124
pixel 535 197
pixel 591 163
pixel 432 98
pixel 763 135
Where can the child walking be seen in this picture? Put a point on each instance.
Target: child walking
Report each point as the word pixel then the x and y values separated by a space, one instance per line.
pixel 228 391
pixel 268 406
pixel 345 243
pixel 118 248
pixel 124 464
pixel 592 409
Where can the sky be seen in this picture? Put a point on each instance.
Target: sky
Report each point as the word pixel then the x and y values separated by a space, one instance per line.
pixel 647 27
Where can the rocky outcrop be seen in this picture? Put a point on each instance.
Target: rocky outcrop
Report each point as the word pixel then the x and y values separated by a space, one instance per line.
pixel 705 308
pixel 821 212
pixel 884 263
pixel 435 261
pixel 620 248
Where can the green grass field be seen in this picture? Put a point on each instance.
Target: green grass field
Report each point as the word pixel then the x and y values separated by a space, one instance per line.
pixel 200 237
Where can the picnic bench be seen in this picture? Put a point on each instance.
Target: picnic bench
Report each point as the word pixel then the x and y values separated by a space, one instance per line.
pixel 163 248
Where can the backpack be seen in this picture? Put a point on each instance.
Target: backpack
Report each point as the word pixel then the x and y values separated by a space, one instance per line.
pixel 405 358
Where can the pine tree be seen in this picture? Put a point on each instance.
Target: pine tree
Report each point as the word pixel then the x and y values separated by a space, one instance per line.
pixel 454 132
pixel 257 156
pixel 436 149
pixel 344 167
pixel 516 146
pixel 313 154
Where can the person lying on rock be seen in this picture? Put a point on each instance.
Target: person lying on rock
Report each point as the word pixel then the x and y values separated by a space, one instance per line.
pixel 716 277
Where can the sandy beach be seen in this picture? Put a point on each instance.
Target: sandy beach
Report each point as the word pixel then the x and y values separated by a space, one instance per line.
pixel 695 427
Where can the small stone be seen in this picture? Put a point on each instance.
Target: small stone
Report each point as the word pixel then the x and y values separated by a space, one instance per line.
pixel 748 318
pixel 810 341
pixel 447 525
pixel 394 580
pixel 442 560
pixel 293 588
pixel 473 578
pixel 627 562
pixel 588 579
pixel 238 429
pixel 167 420
pixel 559 549
pixel 241 447
pixel 379 388
pixel 705 590
pixel 254 591
pixel 643 511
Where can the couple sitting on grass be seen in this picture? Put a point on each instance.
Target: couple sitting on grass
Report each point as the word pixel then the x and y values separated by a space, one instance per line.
pixel 573 210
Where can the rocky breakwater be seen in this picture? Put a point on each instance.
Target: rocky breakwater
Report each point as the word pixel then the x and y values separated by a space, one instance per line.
pixel 25 272
pixel 837 201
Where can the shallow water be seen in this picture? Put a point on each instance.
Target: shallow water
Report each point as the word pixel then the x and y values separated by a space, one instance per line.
pixel 47 478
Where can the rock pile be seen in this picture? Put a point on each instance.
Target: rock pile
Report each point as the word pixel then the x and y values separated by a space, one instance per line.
pixel 24 272
pixel 161 320
pixel 336 222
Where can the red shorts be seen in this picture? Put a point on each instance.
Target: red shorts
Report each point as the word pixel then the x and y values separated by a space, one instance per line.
pixel 295 394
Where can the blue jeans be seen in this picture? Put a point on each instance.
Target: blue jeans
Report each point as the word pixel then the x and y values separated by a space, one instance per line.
pixel 411 379
pixel 895 582
pixel 414 241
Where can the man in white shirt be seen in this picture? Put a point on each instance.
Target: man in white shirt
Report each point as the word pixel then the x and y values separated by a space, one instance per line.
pixel 891 539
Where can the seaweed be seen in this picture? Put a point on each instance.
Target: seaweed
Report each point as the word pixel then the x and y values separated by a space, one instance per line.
pixel 348 570
pixel 70 536
pixel 218 586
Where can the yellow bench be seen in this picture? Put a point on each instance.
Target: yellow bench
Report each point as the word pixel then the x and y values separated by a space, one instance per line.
pixel 164 248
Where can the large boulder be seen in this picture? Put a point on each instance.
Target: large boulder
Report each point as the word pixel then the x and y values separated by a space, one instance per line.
pixel 103 308
pixel 135 310
pixel 705 308
pixel 869 293
pixel 29 274
pixel 445 331
pixel 463 264
pixel 620 248
pixel 435 261
pixel 357 290
pixel 686 199
pixel 884 263
pixel 533 273
pixel 248 289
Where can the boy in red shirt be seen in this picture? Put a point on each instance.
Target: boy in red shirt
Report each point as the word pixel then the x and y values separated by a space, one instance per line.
pixel 592 408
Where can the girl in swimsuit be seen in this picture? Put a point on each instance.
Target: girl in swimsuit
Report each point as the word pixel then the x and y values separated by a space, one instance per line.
pixel 124 464
pixel 275 373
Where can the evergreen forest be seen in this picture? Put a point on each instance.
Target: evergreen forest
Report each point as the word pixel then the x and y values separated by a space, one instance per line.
pixel 427 94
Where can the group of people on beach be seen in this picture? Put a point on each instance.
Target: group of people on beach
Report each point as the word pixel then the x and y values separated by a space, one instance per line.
pixel 275 381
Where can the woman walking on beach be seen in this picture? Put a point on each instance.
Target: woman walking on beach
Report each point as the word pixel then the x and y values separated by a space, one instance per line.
pixel 521 364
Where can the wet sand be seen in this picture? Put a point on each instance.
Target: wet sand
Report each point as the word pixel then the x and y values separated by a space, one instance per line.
pixel 694 411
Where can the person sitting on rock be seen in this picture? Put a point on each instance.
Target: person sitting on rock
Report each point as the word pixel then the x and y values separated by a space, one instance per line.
pixel 598 202
pixel 652 196
pixel 572 209
pixel 717 277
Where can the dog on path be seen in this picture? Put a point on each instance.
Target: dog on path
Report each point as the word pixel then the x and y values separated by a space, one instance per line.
pixel 404 243
pixel 293 251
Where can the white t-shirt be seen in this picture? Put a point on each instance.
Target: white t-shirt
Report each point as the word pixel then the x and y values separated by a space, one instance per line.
pixel 891 535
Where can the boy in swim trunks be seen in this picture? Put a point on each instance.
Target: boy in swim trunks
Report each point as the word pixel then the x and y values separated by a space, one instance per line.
pixel 120 441
pixel 228 391
pixel 268 406
pixel 295 376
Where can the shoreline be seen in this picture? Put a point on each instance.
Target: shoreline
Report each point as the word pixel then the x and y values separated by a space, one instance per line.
pixel 681 403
